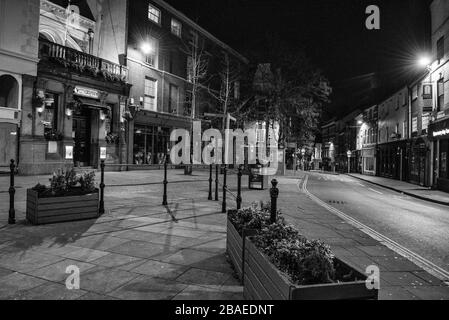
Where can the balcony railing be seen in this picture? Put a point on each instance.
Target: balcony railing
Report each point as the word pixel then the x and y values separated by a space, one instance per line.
pixel 82 62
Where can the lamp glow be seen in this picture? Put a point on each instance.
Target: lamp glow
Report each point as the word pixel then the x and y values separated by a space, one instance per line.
pixel 424 61
pixel 146 48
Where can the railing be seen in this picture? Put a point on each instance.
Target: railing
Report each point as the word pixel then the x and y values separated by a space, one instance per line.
pixel 82 61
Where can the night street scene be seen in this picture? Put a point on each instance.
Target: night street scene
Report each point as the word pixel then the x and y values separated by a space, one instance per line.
pixel 242 151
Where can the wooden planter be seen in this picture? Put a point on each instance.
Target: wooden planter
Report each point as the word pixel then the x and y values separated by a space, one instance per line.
pixel 235 247
pixel 61 209
pixel 263 281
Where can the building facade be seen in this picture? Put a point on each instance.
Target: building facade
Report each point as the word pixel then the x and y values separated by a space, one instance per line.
pixel 438 83
pixel 367 140
pixel 18 68
pixel 392 159
pixel 169 59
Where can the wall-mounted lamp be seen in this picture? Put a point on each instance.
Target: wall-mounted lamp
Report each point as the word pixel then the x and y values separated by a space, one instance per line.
pixel 141 101
pixel 68 112
pixel 103 115
pixel 39 110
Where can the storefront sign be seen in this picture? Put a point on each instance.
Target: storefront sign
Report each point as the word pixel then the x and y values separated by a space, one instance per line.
pixel 415 125
pixel 441 133
pixel 103 153
pixel 86 92
pixel 68 152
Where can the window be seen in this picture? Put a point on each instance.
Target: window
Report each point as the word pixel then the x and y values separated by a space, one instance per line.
pixel 150 100
pixel 152 55
pixel 154 14
pixel 427 91
pixel 440 93
pixel 237 90
pixel 176 27
pixel 173 100
pixel 50 114
pixel 440 49
pixel 194 39
pixel 190 69
pixel 415 92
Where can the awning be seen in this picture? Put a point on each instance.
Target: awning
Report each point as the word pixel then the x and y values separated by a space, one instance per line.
pixel 92 103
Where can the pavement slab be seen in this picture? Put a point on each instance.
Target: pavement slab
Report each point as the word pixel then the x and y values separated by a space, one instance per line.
pixel 57 272
pixel 104 280
pixel 160 269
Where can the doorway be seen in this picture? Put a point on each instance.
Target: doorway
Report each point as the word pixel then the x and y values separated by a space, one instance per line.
pixel 81 136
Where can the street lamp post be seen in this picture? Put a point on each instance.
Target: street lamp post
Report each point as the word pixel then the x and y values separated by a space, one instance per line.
pixel 349 154
pixel 303 153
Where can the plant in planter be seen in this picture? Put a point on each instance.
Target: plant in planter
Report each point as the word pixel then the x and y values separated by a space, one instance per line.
pixel 241 224
pixel 290 267
pixel 69 197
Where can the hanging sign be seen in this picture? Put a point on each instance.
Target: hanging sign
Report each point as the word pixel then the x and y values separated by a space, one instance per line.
pixel 86 92
pixel 103 153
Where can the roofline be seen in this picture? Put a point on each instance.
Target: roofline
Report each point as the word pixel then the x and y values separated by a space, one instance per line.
pixel 187 20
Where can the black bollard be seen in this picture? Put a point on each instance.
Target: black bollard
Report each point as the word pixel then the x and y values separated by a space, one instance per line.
pixel 164 200
pixel 225 172
pixel 216 182
pixel 12 192
pixel 210 183
pixel 102 185
pixel 239 188
pixel 274 193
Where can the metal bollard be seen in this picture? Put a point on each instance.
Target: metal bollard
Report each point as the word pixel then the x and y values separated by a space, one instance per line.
pixel 216 182
pixel 239 188
pixel 102 185
pixel 12 192
pixel 210 183
pixel 164 200
pixel 225 172
pixel 274 193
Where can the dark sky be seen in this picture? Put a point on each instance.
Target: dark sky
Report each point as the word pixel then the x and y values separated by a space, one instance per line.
pixel 334 36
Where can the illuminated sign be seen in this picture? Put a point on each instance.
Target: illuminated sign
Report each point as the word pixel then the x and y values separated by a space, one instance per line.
pixel 441 133
pixel 86 92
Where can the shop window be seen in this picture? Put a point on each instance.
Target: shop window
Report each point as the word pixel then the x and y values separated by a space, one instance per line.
pixel 443 164
pixel 151 145
pixel 50 114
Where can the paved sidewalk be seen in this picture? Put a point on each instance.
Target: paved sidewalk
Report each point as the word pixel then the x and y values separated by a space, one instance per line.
pixel 138 250
pixel 409 189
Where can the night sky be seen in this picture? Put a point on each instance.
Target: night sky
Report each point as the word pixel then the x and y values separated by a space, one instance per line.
pixel 363 66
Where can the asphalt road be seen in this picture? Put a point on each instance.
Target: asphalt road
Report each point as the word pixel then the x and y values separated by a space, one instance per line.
pixel 419 226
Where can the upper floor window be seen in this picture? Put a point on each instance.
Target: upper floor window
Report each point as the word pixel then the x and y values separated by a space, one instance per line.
pixel 154 14
pixel 427 91
pixel 173 99
pixel 176 27
pixel 440 93
pixel 237 90
pixel 150 52
pixel 415 92
pixel 440 48
pixel 150 100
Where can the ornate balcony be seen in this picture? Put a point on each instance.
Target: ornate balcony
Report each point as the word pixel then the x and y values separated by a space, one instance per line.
pixel 81 62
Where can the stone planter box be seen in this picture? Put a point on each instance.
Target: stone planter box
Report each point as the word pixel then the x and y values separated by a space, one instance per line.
pixel 263 281
pixel 61 209
pixel 235 247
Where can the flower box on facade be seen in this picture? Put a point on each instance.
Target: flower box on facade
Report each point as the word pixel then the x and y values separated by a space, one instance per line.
pixel 263 281
pixel 235 246
pixel 45 210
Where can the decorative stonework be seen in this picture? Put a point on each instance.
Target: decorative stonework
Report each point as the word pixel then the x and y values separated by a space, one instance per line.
pixel 61 13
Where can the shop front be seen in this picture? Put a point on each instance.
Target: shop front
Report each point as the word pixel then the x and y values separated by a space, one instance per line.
pixel 439 134
pixel 369 161
pixel 418 151
pixel 149 136
pixel 392 160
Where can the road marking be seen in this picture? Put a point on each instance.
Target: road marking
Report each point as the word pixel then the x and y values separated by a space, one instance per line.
pixel 427 265
pixel 360 184
pixel 375 191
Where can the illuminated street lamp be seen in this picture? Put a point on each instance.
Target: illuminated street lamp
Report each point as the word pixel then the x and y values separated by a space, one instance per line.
pixel 424 61
pixel 147 48
pixel 349 154
pixel 303 153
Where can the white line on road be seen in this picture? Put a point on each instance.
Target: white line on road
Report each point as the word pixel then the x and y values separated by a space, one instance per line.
pixel 375 191
pixel 427 265
pixel 360 184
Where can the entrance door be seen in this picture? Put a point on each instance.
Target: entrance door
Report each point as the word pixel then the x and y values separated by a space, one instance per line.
pixel 81 137
pixel 8 145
